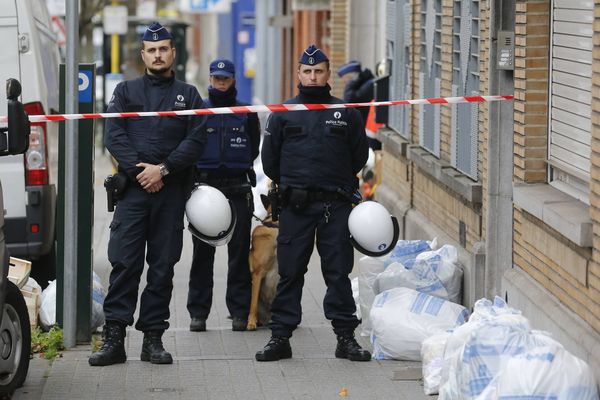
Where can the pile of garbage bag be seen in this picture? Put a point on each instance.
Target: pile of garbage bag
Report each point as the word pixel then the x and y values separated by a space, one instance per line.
pixel 409 301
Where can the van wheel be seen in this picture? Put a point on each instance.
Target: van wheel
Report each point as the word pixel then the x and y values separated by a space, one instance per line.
pixel 15 341
pixel 43 269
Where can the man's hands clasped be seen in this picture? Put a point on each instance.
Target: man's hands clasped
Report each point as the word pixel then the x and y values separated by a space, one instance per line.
pixel 150 178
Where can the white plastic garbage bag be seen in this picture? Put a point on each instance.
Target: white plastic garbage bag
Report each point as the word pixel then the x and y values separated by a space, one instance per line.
pixel 48 306
pixel 355 295
pixel 420 277
pixel 543 372
pixel 47 312
pixel 98 296
pixel 476 351
pixel 444 263
pixel 368 269
pixel 402 318
pixel 406 251
pixel 432 354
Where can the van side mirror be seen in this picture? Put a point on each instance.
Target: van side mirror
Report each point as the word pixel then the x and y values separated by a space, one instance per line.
pixel 15 138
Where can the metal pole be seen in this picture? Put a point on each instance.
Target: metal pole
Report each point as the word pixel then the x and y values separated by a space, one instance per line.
pixel 114 49
pixel 71 186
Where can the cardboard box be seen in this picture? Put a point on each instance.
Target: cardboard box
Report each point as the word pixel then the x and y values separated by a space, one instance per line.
pixel 18 271
pixel 32 298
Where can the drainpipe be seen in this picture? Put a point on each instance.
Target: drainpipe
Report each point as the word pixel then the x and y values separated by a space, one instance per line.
pixel 499 217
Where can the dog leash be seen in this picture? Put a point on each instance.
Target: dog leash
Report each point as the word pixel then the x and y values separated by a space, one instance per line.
pixel 268 224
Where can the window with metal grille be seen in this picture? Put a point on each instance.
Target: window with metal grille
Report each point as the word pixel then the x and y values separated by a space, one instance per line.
pixel 570 96
pixel 399 47
pixel 430 74
pixel 465 81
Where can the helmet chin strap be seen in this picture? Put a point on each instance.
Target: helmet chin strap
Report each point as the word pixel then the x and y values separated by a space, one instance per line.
pixel 386 250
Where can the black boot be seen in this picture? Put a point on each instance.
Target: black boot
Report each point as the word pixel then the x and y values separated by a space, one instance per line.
pixel 113 348
pixel 347 347
pixel 278 348
pixel 198 325
pixel 239 324
pixel 153 350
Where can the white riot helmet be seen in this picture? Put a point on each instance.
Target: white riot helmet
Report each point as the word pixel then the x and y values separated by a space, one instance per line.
pixel 211 215
pixel 373 231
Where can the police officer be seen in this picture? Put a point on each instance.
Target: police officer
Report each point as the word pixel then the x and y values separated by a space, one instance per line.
pixel 314 157
pixel 226 163
pixel 155 154
pixel 360 88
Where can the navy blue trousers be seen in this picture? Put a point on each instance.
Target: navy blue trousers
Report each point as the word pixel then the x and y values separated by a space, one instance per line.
pixel 295 243
pixel 239 282
pixel 149 224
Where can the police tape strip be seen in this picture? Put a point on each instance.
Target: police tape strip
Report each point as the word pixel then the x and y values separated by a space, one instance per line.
pixel 265 108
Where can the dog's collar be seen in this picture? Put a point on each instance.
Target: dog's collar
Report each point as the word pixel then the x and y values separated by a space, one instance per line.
pixel 267 221
pixel 270 224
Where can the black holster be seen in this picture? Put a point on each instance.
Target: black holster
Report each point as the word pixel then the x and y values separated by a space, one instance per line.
pixel 115 186
pixel 274 196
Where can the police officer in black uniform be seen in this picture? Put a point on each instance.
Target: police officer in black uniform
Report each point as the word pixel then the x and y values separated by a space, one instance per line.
pixel 360 88
pixel 156 155
pixel 226 163
pixel 314 157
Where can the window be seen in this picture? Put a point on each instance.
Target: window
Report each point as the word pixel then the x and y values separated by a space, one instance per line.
pixel 465 82
pixel 570 96
pixel 430 74
pixel 399 47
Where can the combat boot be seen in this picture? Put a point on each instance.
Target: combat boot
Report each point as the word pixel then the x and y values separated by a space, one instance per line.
pixel 278 348
pixel 239 324
pixel 348 347
pixel 198 325
pixel 113 348
pixel 153 350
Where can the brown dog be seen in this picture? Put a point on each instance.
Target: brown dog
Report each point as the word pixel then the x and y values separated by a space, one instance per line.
pixel 263 267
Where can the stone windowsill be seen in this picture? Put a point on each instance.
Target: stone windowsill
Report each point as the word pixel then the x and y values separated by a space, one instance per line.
pixel 444 173
pixel 393 142
pixel 563 213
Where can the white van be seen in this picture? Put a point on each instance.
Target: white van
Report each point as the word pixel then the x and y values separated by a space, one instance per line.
pixel 30 54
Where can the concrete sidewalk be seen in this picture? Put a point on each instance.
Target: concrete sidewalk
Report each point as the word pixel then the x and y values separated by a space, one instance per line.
pixel 219 363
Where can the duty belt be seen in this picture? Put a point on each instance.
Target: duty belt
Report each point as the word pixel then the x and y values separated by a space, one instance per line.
pixel 323 196
pixel 218 181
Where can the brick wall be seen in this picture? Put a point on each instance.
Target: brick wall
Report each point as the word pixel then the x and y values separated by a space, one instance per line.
pixel 396 174
pixel 594 268
pixel 569 272
pixel 532 32
pixel 446 88
pixel 340 20
pixel 444 209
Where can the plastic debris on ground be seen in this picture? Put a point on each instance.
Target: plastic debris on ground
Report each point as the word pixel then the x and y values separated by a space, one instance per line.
pixel 402 318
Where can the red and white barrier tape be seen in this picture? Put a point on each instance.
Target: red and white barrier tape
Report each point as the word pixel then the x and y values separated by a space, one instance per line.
pixel 265 108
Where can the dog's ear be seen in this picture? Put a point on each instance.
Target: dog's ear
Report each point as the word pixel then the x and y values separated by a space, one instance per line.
pixel 265 201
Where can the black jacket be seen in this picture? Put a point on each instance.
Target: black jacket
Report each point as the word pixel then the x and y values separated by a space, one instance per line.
pixel 361 90
pixel 175 141
pixel 321 149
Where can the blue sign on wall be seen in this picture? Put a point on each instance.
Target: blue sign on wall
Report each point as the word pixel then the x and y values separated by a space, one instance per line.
pixel 219 6
pixel 85 86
